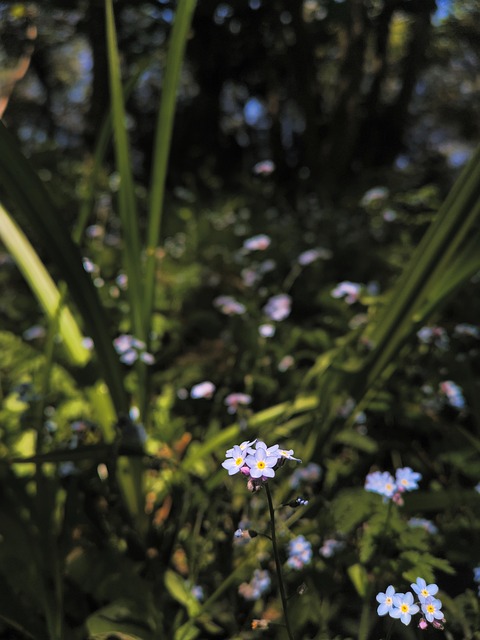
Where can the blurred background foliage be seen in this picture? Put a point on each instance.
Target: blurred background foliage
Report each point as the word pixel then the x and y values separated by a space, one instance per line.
pixel 332 126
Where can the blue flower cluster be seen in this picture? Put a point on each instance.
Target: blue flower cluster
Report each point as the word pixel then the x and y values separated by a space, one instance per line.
pixel 299 552
pixel 403 607
pixel 392 488
pixel 258 585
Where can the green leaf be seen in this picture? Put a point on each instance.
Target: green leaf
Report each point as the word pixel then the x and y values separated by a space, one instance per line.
pixel 179 589
pixel 121 616
pixel 162 143
pixel 43 287
pixel 126 195
pixel 359 578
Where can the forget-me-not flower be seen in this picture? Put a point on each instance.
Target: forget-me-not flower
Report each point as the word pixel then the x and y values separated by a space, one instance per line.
pixel 424 590
pixel 386 601
pixel 431 608
pixel 407 479
pixel 403 607
pixel 235 461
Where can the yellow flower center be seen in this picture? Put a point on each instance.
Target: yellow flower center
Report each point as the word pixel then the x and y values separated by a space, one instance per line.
pixel 238 461
pixel 425 593
pixel 404 608
pixel 430 608
pixel 388 601
pixel 261 464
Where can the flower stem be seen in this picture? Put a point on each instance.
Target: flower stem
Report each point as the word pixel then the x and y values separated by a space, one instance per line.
pixel 278 566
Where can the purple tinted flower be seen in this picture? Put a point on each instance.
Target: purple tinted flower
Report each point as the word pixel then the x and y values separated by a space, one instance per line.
pixel 229 306
pixel 234 400
pixel 250 276
pixel 266 330
pixel 287 454
pixel 259 584
pixel 129 357
pixel 374 195
pixel 264 168
pixel 278 307
pixel 347 289
pixel 310 255
pixel 386 601
pixel 235 461
pixel 476 574
pixel 465 329
pixel 407 479
pixel 403 607
pixel 454 394
pixel 204 389
pixel 434 335
pixel 261 464
pixel 431 607
pixel 257 243
pixel 423 624
pixel 330 547
pixel 424 590
pixel 147 358
pixel 89 266
pixel 424 524
pixel 122 280
pixel 123 343
pixel 34 332
pixel 88 343
pixel 286 363
pixel 197 592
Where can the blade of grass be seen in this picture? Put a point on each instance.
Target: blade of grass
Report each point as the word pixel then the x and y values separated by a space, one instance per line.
pixel 127 206
pixel 126 194
pixel 100 151
pixel 43 287
pixel 163 137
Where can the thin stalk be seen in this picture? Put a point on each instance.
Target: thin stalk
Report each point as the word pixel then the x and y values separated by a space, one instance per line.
pixel 278 565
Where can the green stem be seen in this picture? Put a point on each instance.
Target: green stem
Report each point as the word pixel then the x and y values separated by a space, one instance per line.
pixel 278 565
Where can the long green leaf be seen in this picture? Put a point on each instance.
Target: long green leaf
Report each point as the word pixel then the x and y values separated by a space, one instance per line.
pixel 163 137
pixel 42 285
pixel 126 200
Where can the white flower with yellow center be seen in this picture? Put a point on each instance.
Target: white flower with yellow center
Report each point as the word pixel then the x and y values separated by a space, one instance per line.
pixel 235 461
pixel 261 464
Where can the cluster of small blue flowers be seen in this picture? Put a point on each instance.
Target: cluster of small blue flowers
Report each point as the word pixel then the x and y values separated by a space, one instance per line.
pixel 130 349
pixel 453 394
pixel 403 607
pixel 423 524
pixel 256 461
pixel 299 552
pixel 392 488
pixel 258 585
